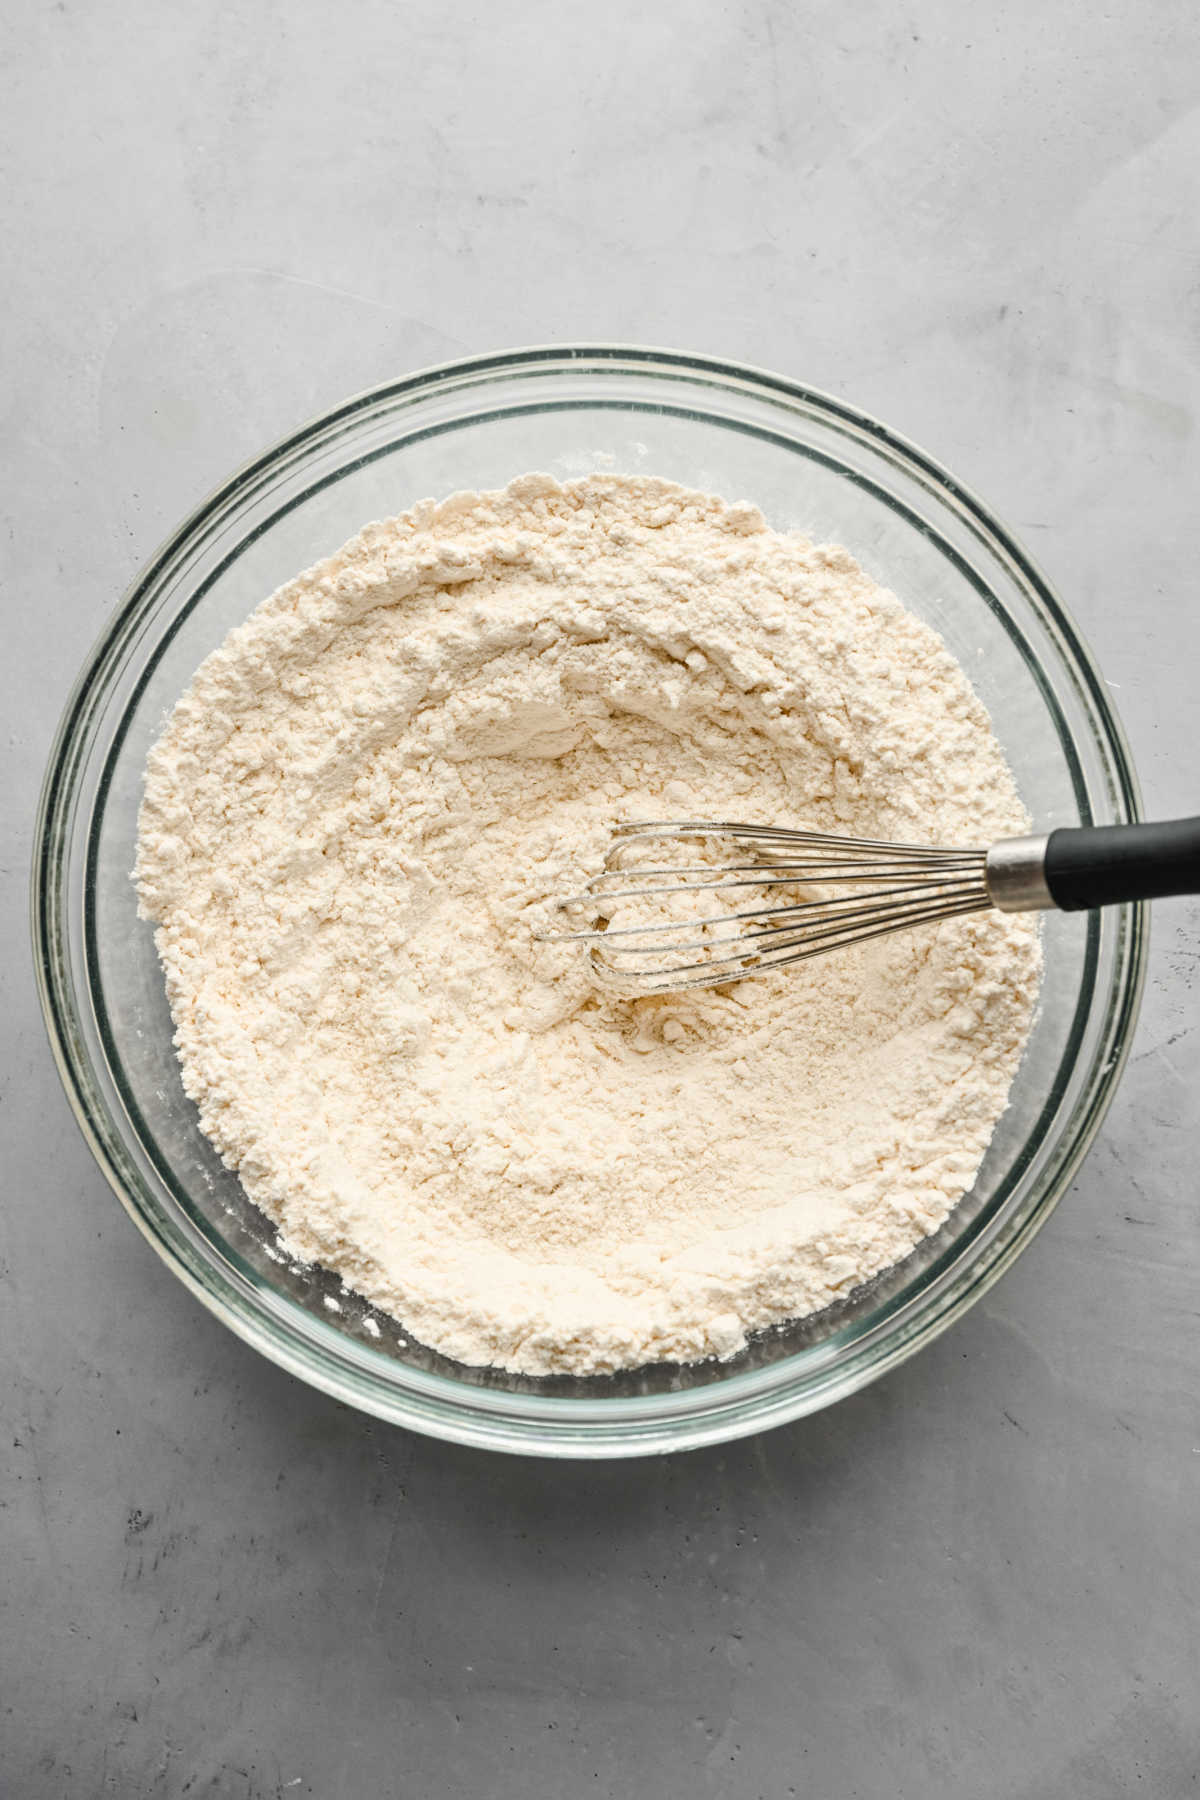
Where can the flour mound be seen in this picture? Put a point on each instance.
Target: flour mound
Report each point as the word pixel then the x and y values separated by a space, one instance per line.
pixel 351 829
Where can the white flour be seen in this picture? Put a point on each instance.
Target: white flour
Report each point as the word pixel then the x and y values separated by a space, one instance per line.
pixel 350 828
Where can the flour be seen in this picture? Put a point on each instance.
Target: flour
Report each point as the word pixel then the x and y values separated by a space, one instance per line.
pixel 350 832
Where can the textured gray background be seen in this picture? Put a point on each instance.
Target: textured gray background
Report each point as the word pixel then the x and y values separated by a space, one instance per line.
pixel 981 1577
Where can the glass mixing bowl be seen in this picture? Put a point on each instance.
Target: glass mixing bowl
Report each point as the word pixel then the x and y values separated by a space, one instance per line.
pixel 810 462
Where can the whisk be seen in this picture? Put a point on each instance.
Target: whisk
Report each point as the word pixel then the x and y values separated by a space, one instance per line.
pixel 752 884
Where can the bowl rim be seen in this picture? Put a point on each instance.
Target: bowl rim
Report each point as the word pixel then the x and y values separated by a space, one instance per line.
pixel 496 1418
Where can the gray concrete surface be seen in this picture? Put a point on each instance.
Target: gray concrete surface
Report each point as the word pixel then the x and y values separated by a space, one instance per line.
pixel 981 1578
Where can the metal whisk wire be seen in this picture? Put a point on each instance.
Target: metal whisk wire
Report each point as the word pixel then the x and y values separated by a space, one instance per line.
pixel 910 885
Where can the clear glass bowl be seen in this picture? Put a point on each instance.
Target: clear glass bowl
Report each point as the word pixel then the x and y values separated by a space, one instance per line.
pixel 809 462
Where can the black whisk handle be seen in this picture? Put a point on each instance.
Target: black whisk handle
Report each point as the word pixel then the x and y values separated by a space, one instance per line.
pixel 1099 865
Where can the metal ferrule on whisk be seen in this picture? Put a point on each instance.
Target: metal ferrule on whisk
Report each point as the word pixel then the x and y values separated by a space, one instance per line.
pixel 1015 872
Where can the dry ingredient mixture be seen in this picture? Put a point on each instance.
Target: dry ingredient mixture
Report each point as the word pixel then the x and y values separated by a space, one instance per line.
pixel 352 825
